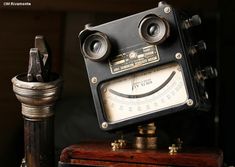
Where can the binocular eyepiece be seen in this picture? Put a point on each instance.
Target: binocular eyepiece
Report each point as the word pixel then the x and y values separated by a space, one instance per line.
pixel 96 45
pixel 154 30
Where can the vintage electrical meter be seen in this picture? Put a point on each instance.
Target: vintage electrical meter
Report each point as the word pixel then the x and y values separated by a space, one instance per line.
pixel 144 66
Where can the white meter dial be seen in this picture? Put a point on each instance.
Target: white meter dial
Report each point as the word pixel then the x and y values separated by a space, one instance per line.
pixel 144 93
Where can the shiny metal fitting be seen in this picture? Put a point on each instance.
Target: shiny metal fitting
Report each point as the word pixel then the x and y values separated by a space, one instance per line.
pixel 119 144
pixel 149 129
pixel 173 149
pixel 37 98
pixel 146 137
pixel 149 143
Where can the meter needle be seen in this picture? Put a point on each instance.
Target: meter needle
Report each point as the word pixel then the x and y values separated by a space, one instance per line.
pixel 144 94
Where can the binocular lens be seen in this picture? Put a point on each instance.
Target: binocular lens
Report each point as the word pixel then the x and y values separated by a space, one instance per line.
pixel 96 46
pixel 153 29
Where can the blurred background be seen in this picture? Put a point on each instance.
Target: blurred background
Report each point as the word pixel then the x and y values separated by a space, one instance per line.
pixel 60 22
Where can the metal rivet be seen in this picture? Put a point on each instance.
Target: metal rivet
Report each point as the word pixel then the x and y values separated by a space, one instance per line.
pixel 94 80
pixel 104 125
pixel 189 102
pixel 167 9
pixel 178 55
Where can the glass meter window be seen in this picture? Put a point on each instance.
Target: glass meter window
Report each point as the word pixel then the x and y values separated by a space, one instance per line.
pixel 144 93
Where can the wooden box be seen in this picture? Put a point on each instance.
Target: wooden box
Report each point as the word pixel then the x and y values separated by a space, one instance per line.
pixel 101 154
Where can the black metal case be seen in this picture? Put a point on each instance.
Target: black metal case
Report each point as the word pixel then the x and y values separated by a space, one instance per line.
pixel 124 38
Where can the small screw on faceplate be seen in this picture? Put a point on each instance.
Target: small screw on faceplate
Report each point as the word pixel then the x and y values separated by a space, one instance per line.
pixel 94 80
pixel 178 55
pixel 189 102
pixel 104 125
pixel 167 9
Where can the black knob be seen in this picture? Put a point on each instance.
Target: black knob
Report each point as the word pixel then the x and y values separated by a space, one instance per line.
pixel 195 20
pixel 199 47
pixel 207 73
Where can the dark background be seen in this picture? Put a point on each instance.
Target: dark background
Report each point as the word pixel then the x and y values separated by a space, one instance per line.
pixel 60 22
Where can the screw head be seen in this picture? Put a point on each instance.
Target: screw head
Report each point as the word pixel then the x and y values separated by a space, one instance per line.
pixel 189 102
pixel 93 80
pixel 167 9
pixel 104 125
pixel 178 56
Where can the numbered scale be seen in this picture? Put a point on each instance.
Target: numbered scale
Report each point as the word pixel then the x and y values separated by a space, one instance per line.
pixel 143 93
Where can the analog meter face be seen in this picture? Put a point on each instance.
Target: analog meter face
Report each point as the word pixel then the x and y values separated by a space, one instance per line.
pixel 144 93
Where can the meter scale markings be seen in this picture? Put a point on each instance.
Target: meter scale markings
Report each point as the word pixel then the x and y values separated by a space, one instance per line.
pixel 143 93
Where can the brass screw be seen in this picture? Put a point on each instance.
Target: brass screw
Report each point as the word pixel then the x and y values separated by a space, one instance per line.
pixel 114 145
pixel 173 149
pixel 118 144
pixel 122 143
